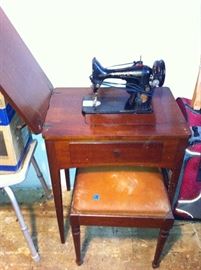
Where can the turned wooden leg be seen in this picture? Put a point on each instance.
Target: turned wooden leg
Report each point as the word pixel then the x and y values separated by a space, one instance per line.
pixel 67 175
pixel 160 244
pixel 76 239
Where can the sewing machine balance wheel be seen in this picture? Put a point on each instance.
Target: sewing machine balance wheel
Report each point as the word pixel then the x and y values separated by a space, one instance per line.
pixel 159 71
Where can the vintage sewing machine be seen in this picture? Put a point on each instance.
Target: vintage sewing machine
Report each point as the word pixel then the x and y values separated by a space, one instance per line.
pixel 136 86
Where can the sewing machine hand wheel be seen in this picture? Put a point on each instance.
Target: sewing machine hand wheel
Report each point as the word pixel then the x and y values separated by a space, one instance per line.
pixel 159 71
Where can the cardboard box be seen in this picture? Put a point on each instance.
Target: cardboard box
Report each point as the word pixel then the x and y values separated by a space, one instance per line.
pixel 6 111
pixel 13 144
pixel 3 102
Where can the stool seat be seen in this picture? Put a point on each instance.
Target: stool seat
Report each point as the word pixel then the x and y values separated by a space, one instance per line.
pixel 137 191
pixel 121 196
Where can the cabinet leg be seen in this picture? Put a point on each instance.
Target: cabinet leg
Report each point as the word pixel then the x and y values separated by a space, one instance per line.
pixel 57 192
pixel 56 186
pixel 67 175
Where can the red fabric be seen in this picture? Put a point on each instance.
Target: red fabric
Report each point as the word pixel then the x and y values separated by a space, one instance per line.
pixel 191 175
pixel 191 187
pixel 192 117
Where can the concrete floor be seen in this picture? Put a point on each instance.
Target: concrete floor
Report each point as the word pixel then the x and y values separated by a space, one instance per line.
pixel 102 248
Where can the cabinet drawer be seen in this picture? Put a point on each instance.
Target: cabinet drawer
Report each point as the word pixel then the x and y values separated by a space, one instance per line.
pixel 118 152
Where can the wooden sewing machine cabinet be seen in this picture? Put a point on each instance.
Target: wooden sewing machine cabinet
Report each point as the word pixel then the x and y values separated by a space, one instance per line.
pixel 71 139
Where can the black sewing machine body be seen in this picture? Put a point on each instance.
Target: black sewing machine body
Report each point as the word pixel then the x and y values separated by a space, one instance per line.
pixel 140 81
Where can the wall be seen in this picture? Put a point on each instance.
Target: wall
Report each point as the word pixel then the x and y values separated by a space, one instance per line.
pixel 65 35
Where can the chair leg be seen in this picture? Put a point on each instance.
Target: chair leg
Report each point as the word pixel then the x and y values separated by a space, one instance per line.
pixel 76 239
pixel 160 244
pixel 23 226
pixel 41 178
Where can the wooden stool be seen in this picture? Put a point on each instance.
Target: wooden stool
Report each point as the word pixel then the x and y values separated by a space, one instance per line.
pixel 121 196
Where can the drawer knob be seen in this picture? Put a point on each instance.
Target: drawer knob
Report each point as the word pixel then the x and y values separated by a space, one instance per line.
pixel 116 152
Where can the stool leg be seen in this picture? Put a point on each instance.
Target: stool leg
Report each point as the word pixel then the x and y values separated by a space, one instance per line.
pixel 23 226
pixel 160 244
pixel 41 178
pixel 75 227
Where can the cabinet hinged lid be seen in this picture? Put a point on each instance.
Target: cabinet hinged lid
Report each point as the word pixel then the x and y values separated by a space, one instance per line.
pixel 22 81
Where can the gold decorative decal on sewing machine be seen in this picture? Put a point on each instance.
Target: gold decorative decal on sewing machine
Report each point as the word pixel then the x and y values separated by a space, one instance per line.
pixel 137 80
